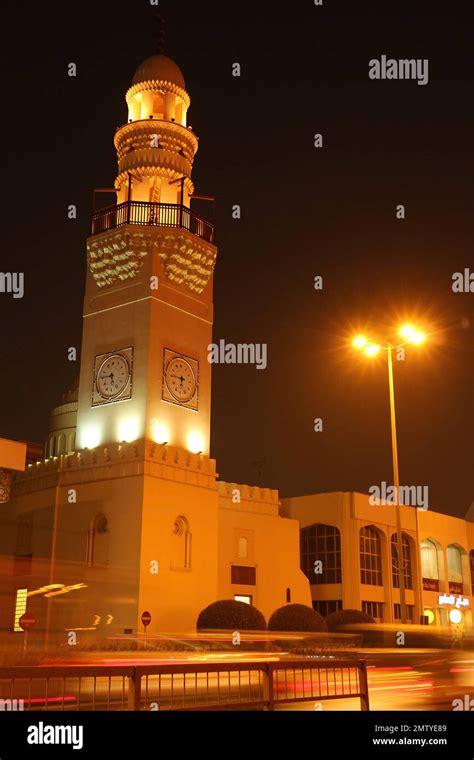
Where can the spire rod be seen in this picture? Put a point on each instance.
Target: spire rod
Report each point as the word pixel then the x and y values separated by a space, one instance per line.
pixel 161 33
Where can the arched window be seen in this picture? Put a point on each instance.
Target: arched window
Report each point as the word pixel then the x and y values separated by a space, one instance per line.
pixel 471 558
pixel 98 542
pixel 406 561
pixel 72 442
pixel 321 553
pixel 370 557
pixel 181 545
pixel 429 560
pixel 243 547
pixel 454 557
pixel 61 444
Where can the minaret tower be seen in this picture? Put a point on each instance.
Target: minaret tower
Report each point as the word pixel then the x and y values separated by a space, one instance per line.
pixel 150 259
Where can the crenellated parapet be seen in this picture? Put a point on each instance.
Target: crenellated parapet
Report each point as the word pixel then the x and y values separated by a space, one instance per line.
pixel 240 496
pixel 142 457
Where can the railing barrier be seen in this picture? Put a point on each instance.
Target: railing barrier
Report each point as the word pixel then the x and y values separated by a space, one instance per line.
pixel 186 686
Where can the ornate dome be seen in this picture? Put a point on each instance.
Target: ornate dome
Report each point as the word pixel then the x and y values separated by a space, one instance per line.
pixel 159 67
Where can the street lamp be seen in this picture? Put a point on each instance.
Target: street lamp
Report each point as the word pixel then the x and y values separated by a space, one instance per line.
pixel 410 335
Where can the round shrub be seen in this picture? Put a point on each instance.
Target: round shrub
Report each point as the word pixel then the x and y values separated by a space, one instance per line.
pixel 229 614
pixel 296 617
pixel 347 617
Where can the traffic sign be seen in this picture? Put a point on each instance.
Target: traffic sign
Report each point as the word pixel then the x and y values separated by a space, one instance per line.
pixel 146 618
pixel 27 621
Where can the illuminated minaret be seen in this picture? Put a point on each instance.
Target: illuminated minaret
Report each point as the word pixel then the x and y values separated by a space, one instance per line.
pixel 150 259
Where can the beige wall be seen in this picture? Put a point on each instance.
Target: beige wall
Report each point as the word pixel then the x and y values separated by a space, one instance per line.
pixel 349 512
pixel 273 548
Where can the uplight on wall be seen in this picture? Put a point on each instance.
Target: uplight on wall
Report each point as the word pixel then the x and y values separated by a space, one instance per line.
pixel 159 432
pixel 195 443
pixel 90 437
pixel 128 430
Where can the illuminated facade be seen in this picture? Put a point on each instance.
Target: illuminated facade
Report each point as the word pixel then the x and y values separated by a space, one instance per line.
pixel 125 514
pixel 357 547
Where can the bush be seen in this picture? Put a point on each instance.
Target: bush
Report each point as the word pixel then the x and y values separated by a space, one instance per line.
pixel 231 615
pixel 347 617
pixel 296 617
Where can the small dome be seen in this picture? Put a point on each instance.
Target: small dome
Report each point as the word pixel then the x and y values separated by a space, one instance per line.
pixel 159 67
pixel 72 394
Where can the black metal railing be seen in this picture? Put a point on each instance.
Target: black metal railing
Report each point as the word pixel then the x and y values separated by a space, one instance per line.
pixel 152 214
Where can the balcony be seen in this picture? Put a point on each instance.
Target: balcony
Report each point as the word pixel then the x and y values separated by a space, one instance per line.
pixel 152 215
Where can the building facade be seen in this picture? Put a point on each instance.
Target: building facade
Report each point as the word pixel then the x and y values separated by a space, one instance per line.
pixel 125 513
pixel 349 554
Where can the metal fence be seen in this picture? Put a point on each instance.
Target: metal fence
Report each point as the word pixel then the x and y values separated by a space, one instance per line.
pixel 187 686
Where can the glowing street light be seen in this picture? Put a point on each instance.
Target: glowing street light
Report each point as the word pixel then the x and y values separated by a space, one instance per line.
pixel 411 336
pixel 359 341
pixel 372 349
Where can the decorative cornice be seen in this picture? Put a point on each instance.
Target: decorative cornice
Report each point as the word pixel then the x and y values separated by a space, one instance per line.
pixel 154 85
pixel 134 129
pixel 187 259
pixel 117 255
pixel 149 162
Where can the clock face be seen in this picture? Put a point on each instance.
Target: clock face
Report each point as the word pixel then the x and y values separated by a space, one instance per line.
pixel 180 379
pixel 112 376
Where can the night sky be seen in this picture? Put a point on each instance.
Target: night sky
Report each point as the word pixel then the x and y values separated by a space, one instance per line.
pixel 305 212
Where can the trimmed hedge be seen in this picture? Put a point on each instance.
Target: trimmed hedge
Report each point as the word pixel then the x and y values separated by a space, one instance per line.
pixel 230 614
pixel 296 617
pixel 347 617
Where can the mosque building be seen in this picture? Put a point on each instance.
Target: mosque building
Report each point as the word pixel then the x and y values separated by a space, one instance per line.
pixel 124 512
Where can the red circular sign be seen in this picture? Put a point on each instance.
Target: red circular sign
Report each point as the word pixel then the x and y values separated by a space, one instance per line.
pixel 27 621
pixel 146 618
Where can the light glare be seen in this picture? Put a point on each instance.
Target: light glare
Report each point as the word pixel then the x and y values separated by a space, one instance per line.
pixel 372 350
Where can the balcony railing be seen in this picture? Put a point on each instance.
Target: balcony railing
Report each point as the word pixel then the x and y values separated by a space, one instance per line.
pixel 154 215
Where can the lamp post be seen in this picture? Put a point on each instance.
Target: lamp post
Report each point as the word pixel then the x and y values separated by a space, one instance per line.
pixel 411 336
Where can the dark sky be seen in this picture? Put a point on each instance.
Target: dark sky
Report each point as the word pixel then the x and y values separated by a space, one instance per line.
pixel 305 212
